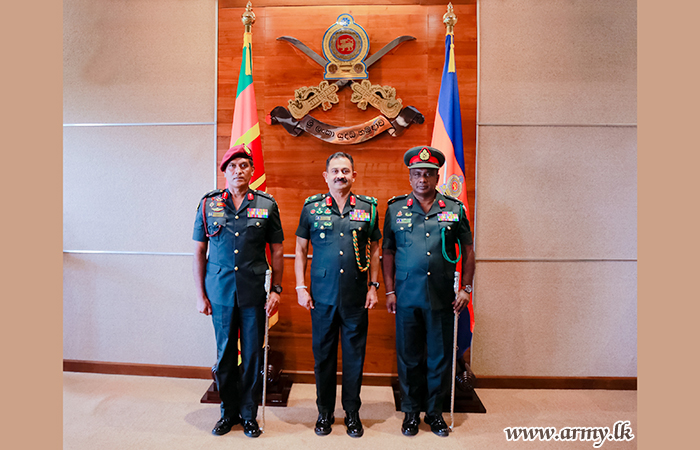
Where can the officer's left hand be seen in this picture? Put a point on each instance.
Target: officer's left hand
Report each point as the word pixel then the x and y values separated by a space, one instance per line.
pixel 461 301
pixel 273 301
pixel 372 299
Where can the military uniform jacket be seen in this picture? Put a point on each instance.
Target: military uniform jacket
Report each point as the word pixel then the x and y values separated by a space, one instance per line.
pixel 424 278
pixel 237 240
pixel 335 276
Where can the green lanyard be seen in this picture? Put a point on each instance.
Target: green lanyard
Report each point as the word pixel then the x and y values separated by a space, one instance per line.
pixel 444 252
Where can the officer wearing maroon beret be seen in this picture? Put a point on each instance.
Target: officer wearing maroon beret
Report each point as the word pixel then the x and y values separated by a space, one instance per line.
pixel 426 234
pixel 235 224
pixel 344 232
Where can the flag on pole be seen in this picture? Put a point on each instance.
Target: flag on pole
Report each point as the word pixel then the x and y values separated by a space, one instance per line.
pixel 447 137
pixel 246 128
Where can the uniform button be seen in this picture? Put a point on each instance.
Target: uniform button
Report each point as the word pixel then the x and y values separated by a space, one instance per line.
pixel 428 273
pixel 449 228
pixel 236 269
pixel 236 216
pixel 322 227
pixel 401 228
pixel 257 224
pixel 427 234
pixel 428 253
pixel 342 216
pixel 342 271
pixel 216 223
pixel 341 252
pixel 426 217
pixel 341 234
pixel 235 251
pixel 236 233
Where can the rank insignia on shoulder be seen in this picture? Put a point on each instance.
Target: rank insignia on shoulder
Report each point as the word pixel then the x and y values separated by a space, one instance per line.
pixel 448 216
pixel 368 199
pixel 311 199
pixel 359 215
pixel 260 213
pixel 394 199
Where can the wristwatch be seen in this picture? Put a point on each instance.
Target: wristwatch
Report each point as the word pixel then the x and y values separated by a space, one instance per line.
pixel 276 288
pixel 373 283
pixel 467 288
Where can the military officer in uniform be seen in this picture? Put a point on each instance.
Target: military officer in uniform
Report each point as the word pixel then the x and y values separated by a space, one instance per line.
pixel 236 224
pixel 425 235
pixel 342 228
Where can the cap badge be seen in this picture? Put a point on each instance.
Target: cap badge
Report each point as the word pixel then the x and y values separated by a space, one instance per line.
pixel 424 154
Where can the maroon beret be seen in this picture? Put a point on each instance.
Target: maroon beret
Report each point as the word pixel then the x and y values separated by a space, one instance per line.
pixel 237 151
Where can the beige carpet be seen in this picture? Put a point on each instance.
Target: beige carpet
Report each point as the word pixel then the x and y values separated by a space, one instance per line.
pixel 129 412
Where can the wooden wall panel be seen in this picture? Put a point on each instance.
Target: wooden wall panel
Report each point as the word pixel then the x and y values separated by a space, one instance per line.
pixel 293 165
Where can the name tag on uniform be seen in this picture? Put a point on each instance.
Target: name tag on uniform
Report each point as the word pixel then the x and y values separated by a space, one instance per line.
pixel 359 215
pixel 323 218
pixel 216 214
pixel 260 213
pixel 402 220
pixel 448 216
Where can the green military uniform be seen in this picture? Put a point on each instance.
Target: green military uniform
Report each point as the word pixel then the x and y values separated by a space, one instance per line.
pixel 425 261
pixel 340 241
pixel 235 286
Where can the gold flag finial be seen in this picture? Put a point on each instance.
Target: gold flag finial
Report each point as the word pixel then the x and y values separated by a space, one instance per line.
pixel 248 17
pixel 449 19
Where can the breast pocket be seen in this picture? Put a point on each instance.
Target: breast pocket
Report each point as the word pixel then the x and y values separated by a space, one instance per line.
pixel 322 233
pixel 256 226
pixel 404 234
pixel 214 224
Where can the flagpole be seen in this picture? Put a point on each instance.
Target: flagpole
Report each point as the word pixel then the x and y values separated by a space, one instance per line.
pixel 450 19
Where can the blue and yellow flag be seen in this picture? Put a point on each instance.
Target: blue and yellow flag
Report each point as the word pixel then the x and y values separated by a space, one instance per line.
pixel 447 137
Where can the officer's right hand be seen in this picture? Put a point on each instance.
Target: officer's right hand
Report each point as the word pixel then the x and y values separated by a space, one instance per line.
pixel 203 306
pixel 304 299
pixel 391 303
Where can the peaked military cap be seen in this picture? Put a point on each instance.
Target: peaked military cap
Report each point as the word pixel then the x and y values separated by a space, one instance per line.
pixel 424 157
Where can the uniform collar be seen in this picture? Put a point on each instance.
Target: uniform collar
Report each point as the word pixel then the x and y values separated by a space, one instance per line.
pixel 245 201
pixel 417 209
pixel 348 203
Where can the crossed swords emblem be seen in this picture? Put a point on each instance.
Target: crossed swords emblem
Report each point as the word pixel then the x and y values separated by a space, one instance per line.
pixel 393 118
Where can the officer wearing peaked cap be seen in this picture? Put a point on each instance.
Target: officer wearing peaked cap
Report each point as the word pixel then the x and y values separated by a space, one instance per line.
pixel 235 225
pixel 342 228
pixel 425 235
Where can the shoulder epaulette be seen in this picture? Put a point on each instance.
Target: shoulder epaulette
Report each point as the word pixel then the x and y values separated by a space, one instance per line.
pixel 312 198
pixel 213 193
pixel 367 199
pixel 264 194
pixel 394 199
pixel 454 199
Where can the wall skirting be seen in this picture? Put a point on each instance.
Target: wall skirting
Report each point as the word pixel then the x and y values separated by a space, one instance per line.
pixel 482 382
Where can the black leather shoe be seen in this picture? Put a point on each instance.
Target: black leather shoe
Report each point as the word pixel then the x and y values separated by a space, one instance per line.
pixel 410 424
pixel 437 425
pixel 224 425
pixel 352 421
pixel 323 424
pixel 251 428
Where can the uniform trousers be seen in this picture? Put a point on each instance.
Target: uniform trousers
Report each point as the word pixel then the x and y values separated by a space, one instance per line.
pixel 240 388
pixel 326 322
pixel 424 353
